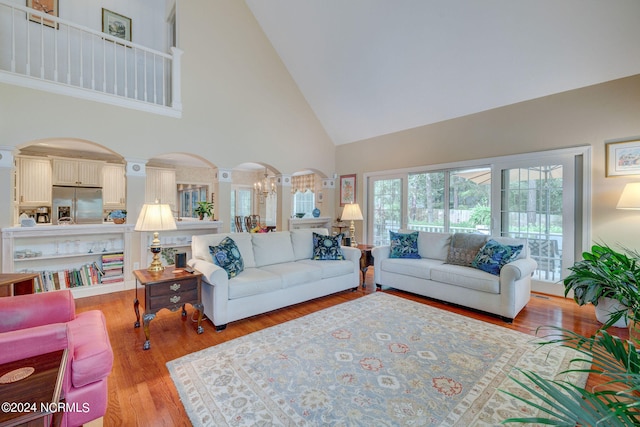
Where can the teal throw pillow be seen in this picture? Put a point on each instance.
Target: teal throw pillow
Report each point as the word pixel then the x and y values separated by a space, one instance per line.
pixel 327 248
pixel 493 256
pixel 227 256
pixel 404 245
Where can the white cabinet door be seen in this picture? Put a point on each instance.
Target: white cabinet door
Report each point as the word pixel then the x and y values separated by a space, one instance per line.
pixel 90 174
pixel 113 186
pixel 161 186
pixel 34 182
pixel 65 172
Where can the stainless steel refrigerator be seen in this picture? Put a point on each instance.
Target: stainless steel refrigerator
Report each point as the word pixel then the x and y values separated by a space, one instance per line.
pixel 77 205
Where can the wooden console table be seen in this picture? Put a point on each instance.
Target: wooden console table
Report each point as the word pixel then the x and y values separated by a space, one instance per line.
pixel 170 290
pixel 17 284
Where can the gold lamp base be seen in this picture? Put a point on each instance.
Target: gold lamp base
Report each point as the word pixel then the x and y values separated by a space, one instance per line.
pixel 155 248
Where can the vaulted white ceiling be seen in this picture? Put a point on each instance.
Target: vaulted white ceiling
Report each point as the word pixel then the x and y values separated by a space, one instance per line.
pixel 373 67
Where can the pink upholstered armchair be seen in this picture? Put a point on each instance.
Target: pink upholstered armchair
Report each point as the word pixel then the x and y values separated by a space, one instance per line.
pixel 42 323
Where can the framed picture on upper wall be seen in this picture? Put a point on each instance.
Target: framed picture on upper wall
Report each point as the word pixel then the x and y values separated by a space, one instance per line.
pixel 116 25
pixel 622 158
pixel 50 7
pixel 347 189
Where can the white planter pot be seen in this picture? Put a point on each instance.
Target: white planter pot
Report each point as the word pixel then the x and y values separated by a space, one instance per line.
pixel 605 307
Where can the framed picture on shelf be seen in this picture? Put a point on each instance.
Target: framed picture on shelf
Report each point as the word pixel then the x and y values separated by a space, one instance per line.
pixel 116 25
pixel 347 189
pixel 50 7
pixel 622 158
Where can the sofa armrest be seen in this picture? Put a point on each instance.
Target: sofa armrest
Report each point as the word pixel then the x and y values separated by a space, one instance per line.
pixel 212 274
pixel 379 253
pixel 27 311
pixel 351 254
pixel 23 343
pixel 518 269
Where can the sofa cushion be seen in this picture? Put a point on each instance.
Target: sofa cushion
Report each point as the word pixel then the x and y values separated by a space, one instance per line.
pixel 434 245
pixel 327 248
pixel 493 255
pixel 295 273
pixel 253 281
pixel 302 241
pixel 331 269
pixel 92 354
pixel 200 246
pixel 272 248
pixel 420 268
pixel 403 245
pixel 465 277
pixel 464 248
pixel 227 256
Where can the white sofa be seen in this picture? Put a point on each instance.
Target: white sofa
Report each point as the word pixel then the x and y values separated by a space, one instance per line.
pixel 504 295
pixel 278 271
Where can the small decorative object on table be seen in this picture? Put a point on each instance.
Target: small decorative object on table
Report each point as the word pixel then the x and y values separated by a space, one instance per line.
pixel 300 214
pixel 315 213
pixel 118 216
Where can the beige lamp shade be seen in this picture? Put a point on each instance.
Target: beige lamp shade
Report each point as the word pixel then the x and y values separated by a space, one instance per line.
pixel 351 212
pixel 630 197
pixel 155 217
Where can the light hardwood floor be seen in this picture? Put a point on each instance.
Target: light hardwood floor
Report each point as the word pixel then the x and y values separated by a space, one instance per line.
pixel 141 392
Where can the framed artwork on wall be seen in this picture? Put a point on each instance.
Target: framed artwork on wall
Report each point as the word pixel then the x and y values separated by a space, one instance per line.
pixel 347 189
pixel 622 158
pixel 50 7
pixel 116 25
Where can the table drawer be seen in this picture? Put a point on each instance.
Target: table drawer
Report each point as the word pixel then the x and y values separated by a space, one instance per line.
pixel 173 287
pixel 173 301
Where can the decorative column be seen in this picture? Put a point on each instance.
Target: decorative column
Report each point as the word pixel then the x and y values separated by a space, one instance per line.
pixel 223 192
pixel 283 187
pixel 8 209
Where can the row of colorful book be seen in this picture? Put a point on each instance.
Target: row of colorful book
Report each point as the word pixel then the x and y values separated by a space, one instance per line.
pixel 110 269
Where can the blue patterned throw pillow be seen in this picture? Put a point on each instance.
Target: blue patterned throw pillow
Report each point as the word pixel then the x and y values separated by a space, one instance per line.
pixel 227 256
pixel 404 245
pixel 493 256
pixel 327 248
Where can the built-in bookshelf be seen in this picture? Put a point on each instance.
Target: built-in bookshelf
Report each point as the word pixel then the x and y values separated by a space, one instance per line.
pixel 88 259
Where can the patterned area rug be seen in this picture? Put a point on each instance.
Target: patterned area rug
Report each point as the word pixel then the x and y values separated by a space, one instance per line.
pixel 380 360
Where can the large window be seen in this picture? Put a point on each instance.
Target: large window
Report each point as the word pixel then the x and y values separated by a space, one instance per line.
pixel 304 202
pixel 189 195
pixel 540 197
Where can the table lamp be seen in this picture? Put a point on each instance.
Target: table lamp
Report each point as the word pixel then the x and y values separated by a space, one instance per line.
pixel 630 197
pixel 351 212
pixel 155 217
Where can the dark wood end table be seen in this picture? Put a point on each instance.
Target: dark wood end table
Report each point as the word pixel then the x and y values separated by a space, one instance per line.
pixel 35 396
pixel 366 260
pixel 167 289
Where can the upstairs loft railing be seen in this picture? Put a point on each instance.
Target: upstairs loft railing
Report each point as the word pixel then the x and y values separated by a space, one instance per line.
pixel 44 52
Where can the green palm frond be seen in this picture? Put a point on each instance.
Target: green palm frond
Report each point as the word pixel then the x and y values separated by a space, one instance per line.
pixel 616 402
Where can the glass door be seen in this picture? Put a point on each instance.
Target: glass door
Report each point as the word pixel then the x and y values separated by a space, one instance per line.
pixel 538 202
pixel 385 208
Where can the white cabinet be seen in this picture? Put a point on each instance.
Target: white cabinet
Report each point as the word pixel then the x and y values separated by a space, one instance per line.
pixel 161 186
pixel 87 173
pixel 113 186
pixel 33 181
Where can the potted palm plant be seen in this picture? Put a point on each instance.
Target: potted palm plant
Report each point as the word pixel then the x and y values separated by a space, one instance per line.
pixel 609 280
pixel 615 403
pixel 204 208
